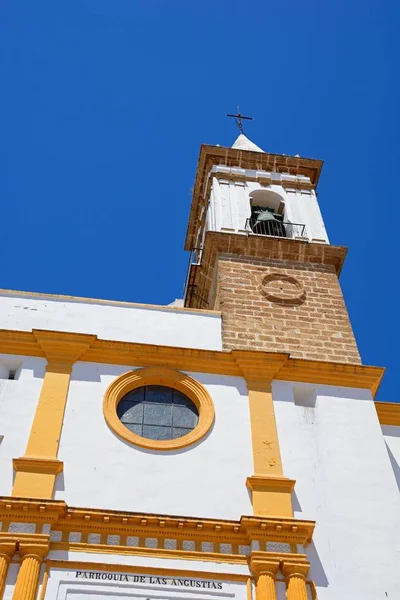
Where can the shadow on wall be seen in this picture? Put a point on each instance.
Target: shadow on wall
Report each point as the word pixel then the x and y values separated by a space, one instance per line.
pixel 295 503
pixel 395 465
pixel 60 483
pixel 83 371
pixel 305 394
pixel 317 573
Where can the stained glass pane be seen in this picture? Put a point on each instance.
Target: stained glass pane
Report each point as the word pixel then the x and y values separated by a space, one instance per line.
pixel 157 414
pixel 184 416
pixel 158 393
pixel 130 412
pixel 155 432
pixel 134 427
pixel 135 395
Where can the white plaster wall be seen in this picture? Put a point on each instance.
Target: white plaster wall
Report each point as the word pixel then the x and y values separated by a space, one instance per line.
pixel 204 480
pixel 128 323
pixel 229 206
pixel 332 445
pixel 18 400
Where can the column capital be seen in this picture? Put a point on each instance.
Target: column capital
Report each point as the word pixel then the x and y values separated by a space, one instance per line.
pixel 262 564
pixel 36 547
pixel 8 547
pixel 294 568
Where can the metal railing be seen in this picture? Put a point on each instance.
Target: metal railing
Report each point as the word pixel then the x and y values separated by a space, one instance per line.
pixel 190 290
pixel 276 228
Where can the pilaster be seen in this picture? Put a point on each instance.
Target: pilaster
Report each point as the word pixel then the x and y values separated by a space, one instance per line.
pixel 38 468
pixel 270 490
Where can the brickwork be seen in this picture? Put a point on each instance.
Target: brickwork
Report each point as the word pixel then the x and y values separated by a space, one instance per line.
pixel 284 306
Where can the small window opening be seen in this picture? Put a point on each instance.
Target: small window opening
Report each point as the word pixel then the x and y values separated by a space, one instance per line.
pixel 12 373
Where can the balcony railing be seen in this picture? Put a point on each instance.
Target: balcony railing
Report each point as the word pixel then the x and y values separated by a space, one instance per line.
pixel 276 228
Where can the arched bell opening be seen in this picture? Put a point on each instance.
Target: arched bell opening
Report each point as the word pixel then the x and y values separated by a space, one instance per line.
pixel 267 213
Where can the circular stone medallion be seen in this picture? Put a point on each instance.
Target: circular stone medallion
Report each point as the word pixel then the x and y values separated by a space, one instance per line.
pixel 282 289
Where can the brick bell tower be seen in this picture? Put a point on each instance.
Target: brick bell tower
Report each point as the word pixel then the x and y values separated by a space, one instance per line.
pixel 261 255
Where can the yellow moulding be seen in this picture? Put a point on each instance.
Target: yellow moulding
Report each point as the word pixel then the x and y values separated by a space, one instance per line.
pixel 205 361
pixel 159 376
pixel 271 491
pixel 37 470
pixel 107 522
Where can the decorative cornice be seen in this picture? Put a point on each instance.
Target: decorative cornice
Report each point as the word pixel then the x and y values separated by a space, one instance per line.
pixel 388 413
pixel 142 525
pixel 33 464
pixel 204 361
pixel 267 483
pixel 23 509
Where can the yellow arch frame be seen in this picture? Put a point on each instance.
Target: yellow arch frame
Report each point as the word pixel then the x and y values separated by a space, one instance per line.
pixel 158 376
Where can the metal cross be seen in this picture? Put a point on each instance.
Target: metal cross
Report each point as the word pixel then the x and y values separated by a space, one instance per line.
pixel 238 119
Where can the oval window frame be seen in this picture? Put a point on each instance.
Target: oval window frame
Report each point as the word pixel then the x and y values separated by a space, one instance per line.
pixel 158 376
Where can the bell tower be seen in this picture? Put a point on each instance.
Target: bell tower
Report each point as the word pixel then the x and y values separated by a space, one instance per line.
pixel 260 254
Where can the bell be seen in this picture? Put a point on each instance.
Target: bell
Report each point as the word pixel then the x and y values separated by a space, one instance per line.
pixel 265 222
pixel 266 215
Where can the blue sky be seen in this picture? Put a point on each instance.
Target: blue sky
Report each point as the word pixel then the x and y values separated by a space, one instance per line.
pixel 103 108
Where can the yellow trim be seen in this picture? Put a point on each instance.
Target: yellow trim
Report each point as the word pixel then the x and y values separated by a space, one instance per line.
pixel 388 413
pixel 270 491
pixel 120 303
pixel 37 470
pixel 202 361
pixel 266 452
pixel 271 495
pixel 38 465
pixel 159 376
pixel 249 590
pixel 142 525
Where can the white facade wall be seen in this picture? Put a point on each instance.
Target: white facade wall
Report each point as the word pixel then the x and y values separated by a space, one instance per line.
pixel 332 445
pixel 101 470
pixel 18 401
pixel 230 205
pixel 165 326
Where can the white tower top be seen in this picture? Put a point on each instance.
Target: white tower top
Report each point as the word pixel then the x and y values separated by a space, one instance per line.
pixel 243 143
